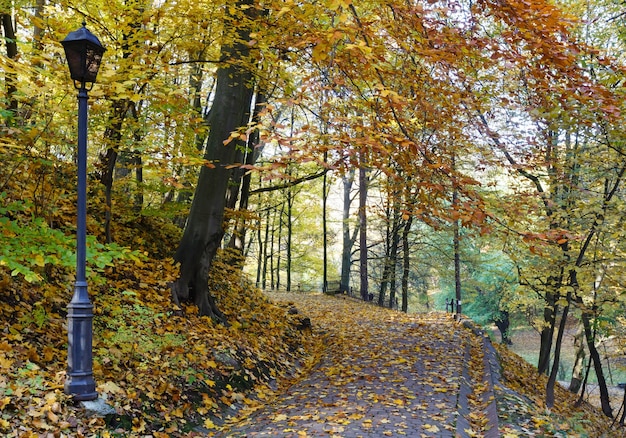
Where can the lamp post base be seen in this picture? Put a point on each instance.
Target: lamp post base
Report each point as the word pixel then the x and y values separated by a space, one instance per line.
pixel 81 388
pixel 79 382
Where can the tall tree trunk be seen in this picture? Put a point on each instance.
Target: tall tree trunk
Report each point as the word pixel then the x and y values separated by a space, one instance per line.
pixel 456 241
pixel 11 50
pixel 363 274
pixel 113 131
pixel 406 263
pixel 230 111
pixel 266 245
pixel 129 164
pixel 347 240
pixel 261 251
pixel 290 197
pixel 276 249
pixel 384 280
pixel 457 269
pixel 577 369
pixel 547 332
pixel 243 179
pixel 557 353
pixel 605 400
pixel 325 226
pixel 108 159
pixel 393 257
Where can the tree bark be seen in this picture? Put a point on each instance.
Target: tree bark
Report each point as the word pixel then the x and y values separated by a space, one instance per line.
pixel 347 240
pixel 557 354
pixel 384 281
pixel 577 369
pixel 204 230
pixel 605 400
pixel 547 331
pixel 11 49
pixel 325 226
pixel 363 274
pixel 290 198
pixel 266 245
pixel 108 159
pixel 503 323
pixel 456 241
pixel 393 256
pixel 406 262
pixel 243 179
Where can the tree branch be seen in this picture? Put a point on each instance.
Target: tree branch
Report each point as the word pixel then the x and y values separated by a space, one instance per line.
pixel 291 183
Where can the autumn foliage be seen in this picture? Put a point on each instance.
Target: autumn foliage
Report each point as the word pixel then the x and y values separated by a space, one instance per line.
pixel 435 103
pixel 165 370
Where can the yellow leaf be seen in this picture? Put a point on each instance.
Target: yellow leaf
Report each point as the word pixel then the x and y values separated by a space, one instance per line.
pixel 320 52
pixel 279 417
pixel 431 428
pixel 283 11
pixel 208 423
pixel 54 418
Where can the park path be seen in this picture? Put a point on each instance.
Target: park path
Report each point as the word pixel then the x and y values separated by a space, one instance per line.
pixel 381 373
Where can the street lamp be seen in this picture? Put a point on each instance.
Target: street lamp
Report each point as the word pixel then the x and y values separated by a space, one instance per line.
pixel 84 54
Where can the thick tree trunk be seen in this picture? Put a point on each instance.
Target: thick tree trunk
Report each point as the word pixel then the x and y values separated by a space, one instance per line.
pixel 547 333
pixel 204 230
pixel 503 323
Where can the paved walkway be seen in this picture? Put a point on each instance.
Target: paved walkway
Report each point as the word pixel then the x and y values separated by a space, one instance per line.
pixel 382 374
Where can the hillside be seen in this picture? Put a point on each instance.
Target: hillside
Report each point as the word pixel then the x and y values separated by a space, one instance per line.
pixel 172 373
pixel 164 370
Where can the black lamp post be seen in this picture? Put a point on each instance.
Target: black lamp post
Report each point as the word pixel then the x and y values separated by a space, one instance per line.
pixel 84 54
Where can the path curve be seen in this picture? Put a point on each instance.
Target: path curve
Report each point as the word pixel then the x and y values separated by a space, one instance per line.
pixel 382 373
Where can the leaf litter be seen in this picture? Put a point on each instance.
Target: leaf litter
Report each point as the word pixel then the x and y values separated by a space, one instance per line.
pixel 358 370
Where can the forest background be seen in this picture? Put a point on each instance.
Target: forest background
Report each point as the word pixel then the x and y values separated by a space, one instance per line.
pixel 405 152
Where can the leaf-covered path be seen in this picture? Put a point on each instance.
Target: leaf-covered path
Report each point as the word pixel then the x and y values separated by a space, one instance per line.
pixel 381 373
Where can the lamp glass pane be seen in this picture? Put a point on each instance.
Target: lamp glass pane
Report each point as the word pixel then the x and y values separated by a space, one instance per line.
pixel 94 57
pixel 74 52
